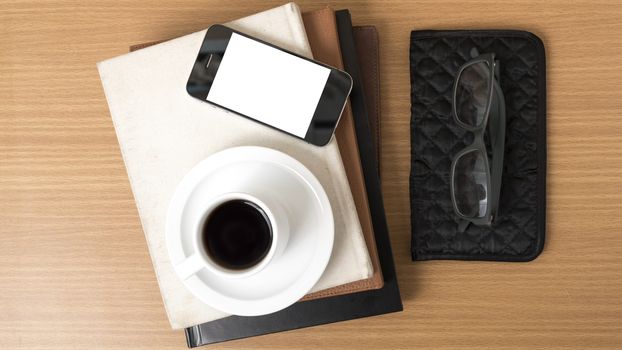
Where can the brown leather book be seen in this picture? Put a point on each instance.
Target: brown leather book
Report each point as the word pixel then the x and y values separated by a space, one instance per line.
pixel 366 40
pixel 322 34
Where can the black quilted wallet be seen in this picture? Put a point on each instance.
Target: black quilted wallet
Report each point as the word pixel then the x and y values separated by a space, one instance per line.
pixel 517 233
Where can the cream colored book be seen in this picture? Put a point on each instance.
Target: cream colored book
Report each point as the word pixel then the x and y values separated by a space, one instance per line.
pixel 163 132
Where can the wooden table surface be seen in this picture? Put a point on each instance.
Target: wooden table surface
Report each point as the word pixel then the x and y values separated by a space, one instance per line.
pixel 74 267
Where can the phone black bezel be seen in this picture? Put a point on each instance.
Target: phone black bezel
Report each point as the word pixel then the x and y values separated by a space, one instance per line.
pixel 329 107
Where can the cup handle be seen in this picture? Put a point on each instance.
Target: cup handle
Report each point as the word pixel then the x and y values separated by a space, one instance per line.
pixel 189 267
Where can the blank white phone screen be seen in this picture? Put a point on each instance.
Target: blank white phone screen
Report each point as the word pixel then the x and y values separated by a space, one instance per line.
pixel 268 85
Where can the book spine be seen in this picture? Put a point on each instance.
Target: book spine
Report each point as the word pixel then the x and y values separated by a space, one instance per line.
pixel 193 336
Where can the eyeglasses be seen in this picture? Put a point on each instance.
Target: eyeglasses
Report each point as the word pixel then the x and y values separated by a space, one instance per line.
pixel 478 102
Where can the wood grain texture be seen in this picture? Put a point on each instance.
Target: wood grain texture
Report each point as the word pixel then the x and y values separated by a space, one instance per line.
pixel 74 267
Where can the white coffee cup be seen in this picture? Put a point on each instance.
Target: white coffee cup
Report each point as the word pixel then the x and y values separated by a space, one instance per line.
pixel 200 259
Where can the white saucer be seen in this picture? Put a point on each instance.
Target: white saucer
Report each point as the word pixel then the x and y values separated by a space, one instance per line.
pixel 285 279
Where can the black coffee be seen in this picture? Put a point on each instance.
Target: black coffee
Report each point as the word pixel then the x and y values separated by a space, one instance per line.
pixel 237 234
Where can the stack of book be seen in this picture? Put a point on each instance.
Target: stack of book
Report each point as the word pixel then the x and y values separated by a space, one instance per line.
pixel 162 135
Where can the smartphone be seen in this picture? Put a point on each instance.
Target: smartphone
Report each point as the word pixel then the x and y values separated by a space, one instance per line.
pixel 270 85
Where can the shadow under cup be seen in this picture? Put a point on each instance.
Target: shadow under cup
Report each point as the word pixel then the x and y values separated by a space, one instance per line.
pixel 236 235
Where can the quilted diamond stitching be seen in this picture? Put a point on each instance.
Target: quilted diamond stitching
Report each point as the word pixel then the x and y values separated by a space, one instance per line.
pixel 435 140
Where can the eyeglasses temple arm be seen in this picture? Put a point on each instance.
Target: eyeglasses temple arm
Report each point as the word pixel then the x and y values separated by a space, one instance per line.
pixel 497 140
